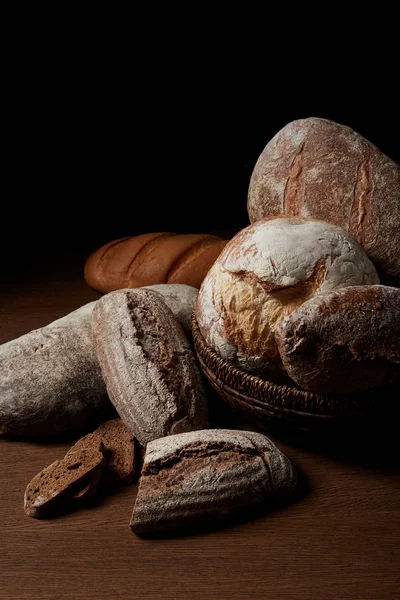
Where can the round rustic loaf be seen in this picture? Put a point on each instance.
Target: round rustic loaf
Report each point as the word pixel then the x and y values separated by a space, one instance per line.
pixel 264 273
pixel 343 341
pixel 319 169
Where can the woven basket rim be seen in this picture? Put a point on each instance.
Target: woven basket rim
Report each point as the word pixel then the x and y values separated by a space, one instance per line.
pixel 257 393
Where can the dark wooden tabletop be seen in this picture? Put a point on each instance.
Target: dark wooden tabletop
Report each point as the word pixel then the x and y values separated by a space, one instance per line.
pixel 338 540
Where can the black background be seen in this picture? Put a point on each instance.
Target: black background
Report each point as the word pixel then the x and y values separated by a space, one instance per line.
pixel 103 148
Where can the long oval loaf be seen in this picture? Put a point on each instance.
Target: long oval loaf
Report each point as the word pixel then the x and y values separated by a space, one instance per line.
pixel 319 169
pixel 152 258
pixel 150 371
pixel 343 341
pixel 201 477
pixel 50 379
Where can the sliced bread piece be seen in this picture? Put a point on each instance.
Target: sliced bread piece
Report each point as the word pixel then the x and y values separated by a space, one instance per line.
pixel 52 489
pixel 119 451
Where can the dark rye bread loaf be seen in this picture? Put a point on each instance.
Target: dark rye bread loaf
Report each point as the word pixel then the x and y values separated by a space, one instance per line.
pixel 343 341
pixel 50 379
pixel 201 477
pixel 55 487
pixel 319 169
pixel 150 371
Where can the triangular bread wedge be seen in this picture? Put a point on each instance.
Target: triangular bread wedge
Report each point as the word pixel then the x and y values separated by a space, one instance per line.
pixel 200 477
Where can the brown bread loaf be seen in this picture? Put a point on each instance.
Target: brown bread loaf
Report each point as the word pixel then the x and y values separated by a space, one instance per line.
pixel 180 298
pixel 343 341
pixel 205 476
pixel 150 371
pixel 54 488
pixel 152 258
pixel 50 379
pixel 319 169
pixel 264 273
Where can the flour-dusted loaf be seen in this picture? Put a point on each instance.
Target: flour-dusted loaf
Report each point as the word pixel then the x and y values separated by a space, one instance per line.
pixel 150 371
pixel 201 477
pixel 180 298
pixel 50 379
pixel 66 482
pixel 152 258
pixel 264 273
pixel 344 341
pixel 320 169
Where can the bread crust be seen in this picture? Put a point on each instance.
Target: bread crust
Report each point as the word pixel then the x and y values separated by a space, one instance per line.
pixel 204 476
pixel 152 258
pixel 319 169
pixel 150 371
pixel 50 379
pixel 180 298
pixel 264 273
pixel 343 341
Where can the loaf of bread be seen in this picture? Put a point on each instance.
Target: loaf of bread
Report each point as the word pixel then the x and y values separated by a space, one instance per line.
pixel 50 379
pixel 343 341
pixel 202 477
pixel 152 258
pixel 320 169
pixel 264 273
pixel 150 371
pixel 179 298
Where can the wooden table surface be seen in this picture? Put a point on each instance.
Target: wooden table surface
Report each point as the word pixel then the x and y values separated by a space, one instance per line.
pixel 338 540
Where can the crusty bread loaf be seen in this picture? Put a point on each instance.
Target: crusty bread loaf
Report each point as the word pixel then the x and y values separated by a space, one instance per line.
pixel 54 488
pixel 320 169
pixel 180 298
pixel 343 341
pixel 205 476
pixel 264 273
pixel 50 379
pixel 147 364
pixel 152 258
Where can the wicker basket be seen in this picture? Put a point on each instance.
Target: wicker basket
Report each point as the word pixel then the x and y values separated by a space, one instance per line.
pixel 280 408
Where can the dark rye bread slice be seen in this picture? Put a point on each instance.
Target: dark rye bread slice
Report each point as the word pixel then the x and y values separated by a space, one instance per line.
pixel 53 488
pixel 119 452
pixel 201 477
pixel 147 363
pixel 343 341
